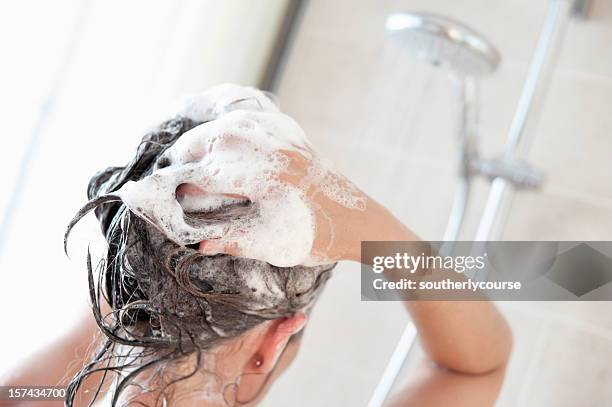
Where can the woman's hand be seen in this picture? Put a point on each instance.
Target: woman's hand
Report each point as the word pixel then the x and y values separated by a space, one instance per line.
pixel 341 215
pixel 305 212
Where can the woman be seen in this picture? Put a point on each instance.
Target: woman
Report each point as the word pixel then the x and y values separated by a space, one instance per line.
pixel 221 234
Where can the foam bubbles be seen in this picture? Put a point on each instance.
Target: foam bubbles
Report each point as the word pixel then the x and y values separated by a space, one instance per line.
pixel 223 98
pixel 337 188
pixel 241 149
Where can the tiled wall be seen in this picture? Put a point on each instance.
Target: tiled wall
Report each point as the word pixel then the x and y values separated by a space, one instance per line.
pixel 387 122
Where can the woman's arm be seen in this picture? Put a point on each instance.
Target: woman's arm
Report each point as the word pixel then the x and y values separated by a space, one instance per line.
pixel 58 362
pixel 427 386
pixel 465 336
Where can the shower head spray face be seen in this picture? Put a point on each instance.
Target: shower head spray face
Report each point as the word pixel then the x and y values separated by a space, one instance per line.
pixel 443 42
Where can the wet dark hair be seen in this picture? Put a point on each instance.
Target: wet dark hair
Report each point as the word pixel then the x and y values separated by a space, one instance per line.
pixel 167 301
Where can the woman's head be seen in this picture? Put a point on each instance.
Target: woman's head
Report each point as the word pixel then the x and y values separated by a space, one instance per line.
pixel 170 302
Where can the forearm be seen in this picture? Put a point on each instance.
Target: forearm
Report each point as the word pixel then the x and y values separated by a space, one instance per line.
pixel 375 223
pixel 58 362
pixel 466 336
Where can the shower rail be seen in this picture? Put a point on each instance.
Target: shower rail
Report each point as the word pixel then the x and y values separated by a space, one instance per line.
pixel 536 81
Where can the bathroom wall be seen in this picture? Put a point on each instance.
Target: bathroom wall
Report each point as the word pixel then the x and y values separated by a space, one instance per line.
pixel 387 122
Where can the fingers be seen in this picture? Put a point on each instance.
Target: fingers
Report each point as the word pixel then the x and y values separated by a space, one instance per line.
pixel 219 246
pixel 205 139
pixel 239 177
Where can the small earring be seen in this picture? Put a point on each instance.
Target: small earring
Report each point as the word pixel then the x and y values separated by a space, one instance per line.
pixel 258 362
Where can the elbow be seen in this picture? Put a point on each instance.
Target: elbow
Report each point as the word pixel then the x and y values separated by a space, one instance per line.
pixel 489 358
pixel 502 351
pixel 484 365
pixel 481 357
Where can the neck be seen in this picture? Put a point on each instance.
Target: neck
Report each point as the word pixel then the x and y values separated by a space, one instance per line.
pixel 216 382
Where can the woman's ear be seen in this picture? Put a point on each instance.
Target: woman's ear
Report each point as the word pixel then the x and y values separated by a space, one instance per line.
pixel 274 341
pixel 269 346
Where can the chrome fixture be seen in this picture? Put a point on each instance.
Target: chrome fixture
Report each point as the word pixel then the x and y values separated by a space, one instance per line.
pixel 444 42
pixel 451 45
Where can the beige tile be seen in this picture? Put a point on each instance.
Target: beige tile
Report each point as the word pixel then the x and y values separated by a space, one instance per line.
pixel 592 317
pixel 587 44
pixel 573 142
pixel 347 21
pixel 327 87
pixel 422 198
pixel 556 362
pixel 546 216
pixel 572 370
pixel 529 333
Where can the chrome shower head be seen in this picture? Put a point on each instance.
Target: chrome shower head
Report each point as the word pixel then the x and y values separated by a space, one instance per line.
pixel 442 41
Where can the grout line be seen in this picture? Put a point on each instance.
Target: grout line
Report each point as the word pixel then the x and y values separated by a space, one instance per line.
pixel 576 195
pixel 531 370
pixel 413 159
pixel 561 73
pixel 565 320
pixel 583 76
pixel 587 327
